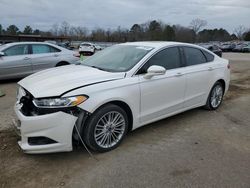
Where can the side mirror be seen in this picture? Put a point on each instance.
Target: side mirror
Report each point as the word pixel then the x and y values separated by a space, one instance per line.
pixel 2 54
pixel 154 70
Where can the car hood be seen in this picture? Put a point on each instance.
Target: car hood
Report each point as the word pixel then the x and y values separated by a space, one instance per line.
pixel 56 81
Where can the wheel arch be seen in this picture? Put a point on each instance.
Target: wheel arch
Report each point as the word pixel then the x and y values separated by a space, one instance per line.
pixel 222 81
pixel 61 63
pixel 125 107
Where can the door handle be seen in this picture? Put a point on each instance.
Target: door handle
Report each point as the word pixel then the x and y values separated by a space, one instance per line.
pixel 26 58
pixel 178 74
pixel 210 68
pixel 56 55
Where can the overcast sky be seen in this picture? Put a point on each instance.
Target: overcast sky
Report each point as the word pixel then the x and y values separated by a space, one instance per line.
pixel 42 14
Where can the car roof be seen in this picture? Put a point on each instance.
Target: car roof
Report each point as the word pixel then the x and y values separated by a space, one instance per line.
pixel 86 43
pixel 157 44
pixel 15 43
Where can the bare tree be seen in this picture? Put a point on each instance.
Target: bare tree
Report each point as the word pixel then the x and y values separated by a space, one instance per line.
pixel 81 32
pixel 65 28
pixel 239 31
pixel 55 29
pixel 197 24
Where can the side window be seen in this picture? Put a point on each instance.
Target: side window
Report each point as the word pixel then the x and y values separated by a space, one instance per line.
pixel 42 48
pixel 209 56
pixel 53 49
pixel 168 58
pixel 17 50
pixel 194 56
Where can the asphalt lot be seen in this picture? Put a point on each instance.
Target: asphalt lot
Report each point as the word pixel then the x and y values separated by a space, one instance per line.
pixel 197 148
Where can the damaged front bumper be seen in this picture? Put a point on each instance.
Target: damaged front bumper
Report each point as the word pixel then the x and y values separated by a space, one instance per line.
pixel 45 133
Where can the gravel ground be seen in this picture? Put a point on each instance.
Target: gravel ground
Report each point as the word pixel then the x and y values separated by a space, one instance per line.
pixel 197 148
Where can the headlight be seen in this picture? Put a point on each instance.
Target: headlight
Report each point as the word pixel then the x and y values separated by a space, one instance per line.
pixel 59 102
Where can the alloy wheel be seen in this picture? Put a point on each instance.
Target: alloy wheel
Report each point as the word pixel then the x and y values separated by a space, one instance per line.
pixel 216 96
pixel 109 129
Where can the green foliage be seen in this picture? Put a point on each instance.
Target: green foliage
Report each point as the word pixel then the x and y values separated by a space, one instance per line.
pixel 168 33
pixel 155 30
pixel 12 30
pixel 136 33
pixel 207 35
pixel 247 36
pixel 36 32
pixel 27 30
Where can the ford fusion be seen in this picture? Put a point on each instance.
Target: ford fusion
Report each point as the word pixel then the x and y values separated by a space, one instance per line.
pixel 116 91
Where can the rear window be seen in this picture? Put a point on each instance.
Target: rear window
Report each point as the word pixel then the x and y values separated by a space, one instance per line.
pixel 194 56
pixel 209 57
pixel 85 44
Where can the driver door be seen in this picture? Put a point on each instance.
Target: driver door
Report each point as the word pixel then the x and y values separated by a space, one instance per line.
pixel 162 95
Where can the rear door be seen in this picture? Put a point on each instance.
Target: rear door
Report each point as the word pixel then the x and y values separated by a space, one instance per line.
pixel 16 62
pixel 199 73
pixel 44 56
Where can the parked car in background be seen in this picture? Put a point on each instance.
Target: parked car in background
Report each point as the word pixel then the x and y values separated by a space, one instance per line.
pixel 215 49
pixel 239 47
pixel 246 48
pixel 117 90
pixel 87 47
pixel 65 45
pixel 227 47
pixel 98 47
pixel 20 59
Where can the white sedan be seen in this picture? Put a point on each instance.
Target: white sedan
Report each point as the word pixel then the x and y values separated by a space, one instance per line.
pixel 116 91
pixel 87 47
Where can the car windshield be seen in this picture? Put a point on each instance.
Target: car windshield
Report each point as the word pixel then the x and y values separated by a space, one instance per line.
pixel 117 58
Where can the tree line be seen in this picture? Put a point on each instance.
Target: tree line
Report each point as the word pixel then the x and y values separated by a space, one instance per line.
pixel 152 30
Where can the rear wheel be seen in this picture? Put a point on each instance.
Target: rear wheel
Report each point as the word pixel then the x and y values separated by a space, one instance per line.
pixel 106 128
pixel 215 97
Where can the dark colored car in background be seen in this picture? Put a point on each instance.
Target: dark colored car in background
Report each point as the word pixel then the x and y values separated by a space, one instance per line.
pixel 213 48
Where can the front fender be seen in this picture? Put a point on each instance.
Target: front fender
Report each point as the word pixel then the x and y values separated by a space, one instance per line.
pixel 124 90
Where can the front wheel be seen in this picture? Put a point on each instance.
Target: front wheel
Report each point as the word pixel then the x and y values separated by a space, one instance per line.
pixel 106 128
pixel 215 97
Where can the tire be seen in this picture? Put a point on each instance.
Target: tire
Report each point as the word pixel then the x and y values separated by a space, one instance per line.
pixel 99 135
pixel 215 98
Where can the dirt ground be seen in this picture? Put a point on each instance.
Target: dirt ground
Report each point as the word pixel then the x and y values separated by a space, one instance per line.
pixel 197 148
